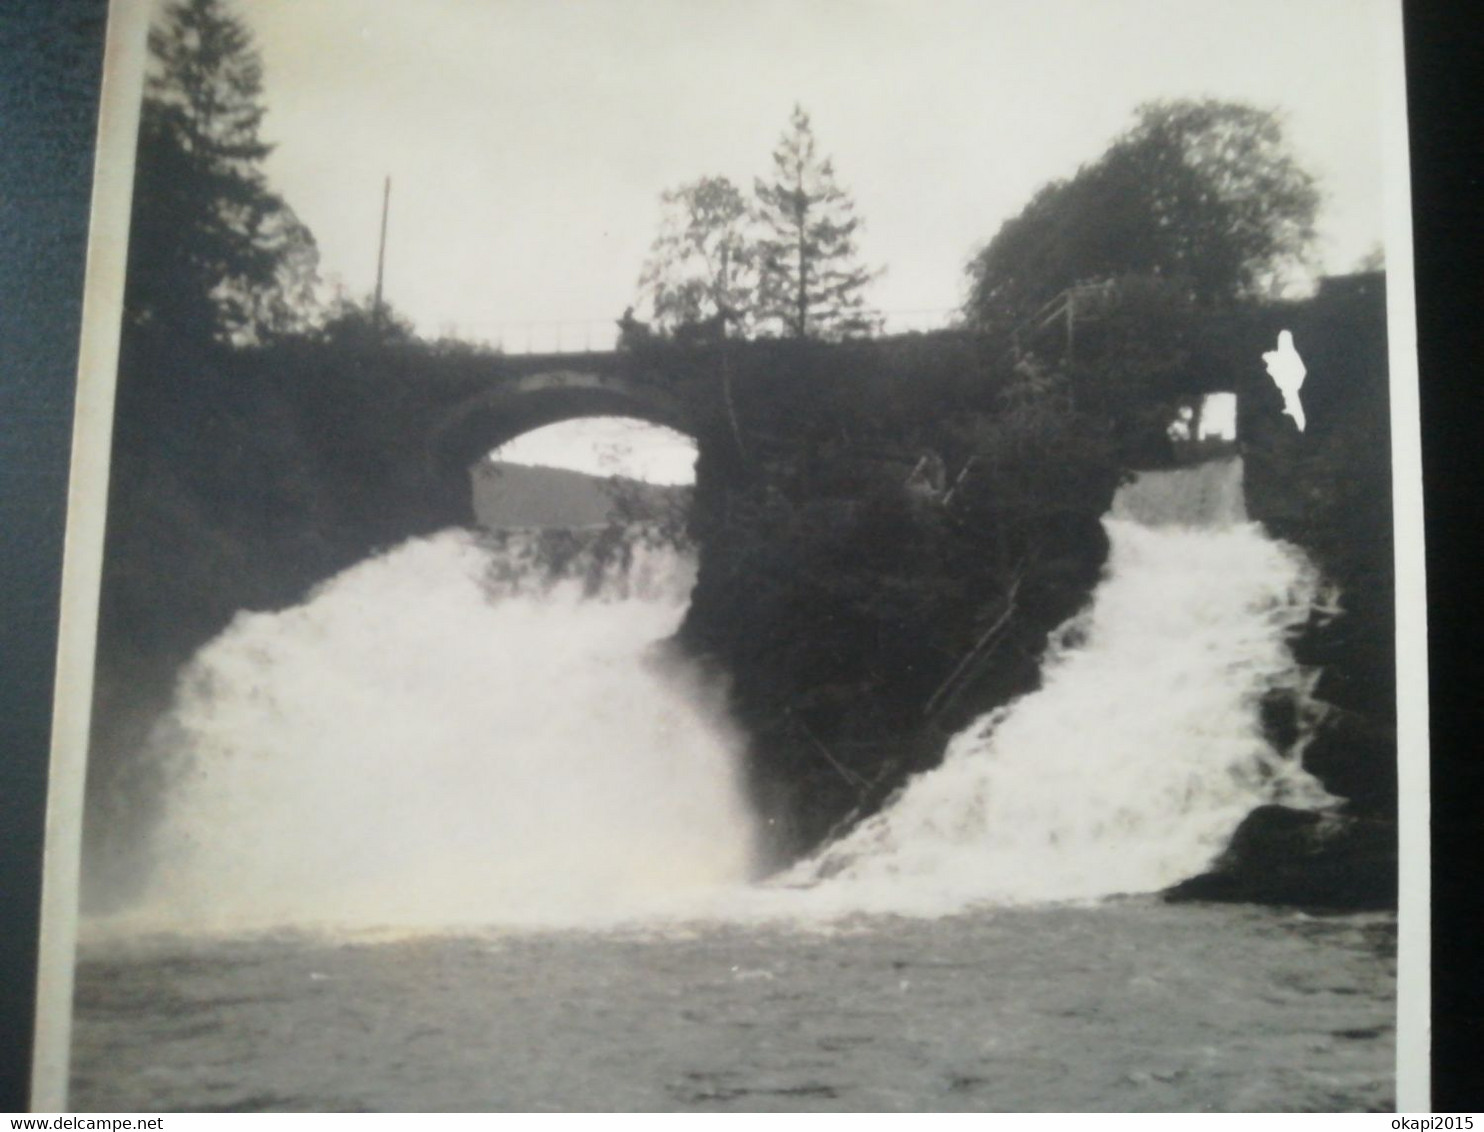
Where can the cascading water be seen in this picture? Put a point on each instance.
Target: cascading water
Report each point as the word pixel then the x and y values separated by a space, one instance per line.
pixel 458 732
pixel 448 734
pixel 1142 751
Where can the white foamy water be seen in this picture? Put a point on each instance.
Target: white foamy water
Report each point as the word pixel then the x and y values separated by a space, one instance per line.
pixel 1133 764
pixel 438 736
pixel 445 736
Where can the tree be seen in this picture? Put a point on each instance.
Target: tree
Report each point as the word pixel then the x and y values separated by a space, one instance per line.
pixel 702 266
pixel 811 282
pixel 348 323
pixel 1203 194
pixel 215 254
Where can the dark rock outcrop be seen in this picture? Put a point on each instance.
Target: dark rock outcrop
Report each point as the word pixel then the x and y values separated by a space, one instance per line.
pixel 1328 490
pixel 1302 858
pixel 1354 755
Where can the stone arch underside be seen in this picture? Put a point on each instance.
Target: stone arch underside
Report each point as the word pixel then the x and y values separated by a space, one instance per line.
pixel 488 420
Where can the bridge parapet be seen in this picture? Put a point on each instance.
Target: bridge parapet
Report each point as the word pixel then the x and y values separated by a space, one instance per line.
pixel 554 338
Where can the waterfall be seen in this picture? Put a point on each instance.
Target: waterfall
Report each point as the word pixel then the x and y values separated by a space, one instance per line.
pixel 1131 766
pixel 455 732
pixel 481 729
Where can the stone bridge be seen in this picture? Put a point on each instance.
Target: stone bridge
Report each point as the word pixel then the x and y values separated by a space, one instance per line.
pixel 729 396
pixel 739 399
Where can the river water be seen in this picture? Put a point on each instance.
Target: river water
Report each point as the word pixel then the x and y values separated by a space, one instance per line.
pixel 456 834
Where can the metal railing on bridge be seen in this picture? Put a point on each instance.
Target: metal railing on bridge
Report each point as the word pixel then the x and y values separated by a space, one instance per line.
pixel 1082 302
pixel 595 336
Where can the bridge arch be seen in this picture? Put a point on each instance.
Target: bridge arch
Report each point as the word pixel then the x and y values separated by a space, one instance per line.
pixel 490 418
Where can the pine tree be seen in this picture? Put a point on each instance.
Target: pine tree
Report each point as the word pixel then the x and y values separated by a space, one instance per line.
pixel 215 254
pixel 811 282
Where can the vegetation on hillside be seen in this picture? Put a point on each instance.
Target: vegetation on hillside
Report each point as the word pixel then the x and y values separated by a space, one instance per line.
pixel 888 564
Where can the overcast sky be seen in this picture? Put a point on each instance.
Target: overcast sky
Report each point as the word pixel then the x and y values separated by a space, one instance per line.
pixel 528 140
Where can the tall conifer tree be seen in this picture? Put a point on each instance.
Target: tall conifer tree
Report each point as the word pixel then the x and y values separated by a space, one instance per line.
pixel 812 283
pixel 215 254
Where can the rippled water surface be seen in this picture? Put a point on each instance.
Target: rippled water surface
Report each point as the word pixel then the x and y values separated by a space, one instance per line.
pixel 1131 1005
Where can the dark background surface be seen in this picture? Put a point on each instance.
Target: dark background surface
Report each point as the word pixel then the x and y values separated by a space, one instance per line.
pixel 1445 62
pixel 50 65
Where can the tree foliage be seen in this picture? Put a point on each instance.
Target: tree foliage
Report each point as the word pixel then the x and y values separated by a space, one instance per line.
pixel 812 281
pixel 215 254
pixel 362 325
pixel 1203 194
pixel 702 267
pixel 784 263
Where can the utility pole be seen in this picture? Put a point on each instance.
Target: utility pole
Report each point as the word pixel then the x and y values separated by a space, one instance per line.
pixel 386 199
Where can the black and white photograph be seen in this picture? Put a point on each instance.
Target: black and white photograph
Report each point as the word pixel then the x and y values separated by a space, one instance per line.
pixel 742 556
